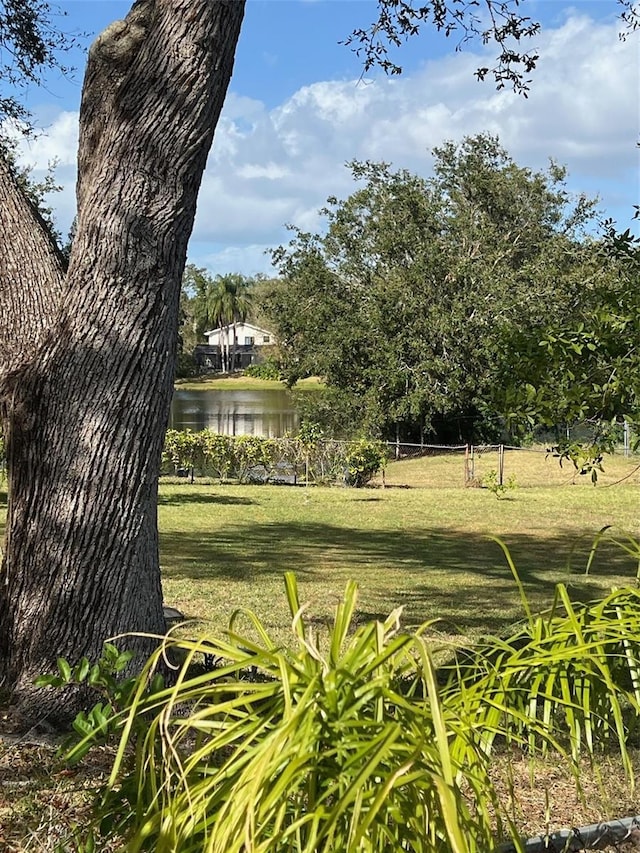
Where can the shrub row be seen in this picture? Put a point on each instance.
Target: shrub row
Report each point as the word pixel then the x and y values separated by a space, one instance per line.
pixel 267 369
pixel 248 458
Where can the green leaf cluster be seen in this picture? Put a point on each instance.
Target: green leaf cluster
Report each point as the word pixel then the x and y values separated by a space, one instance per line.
pixel 363 459
pixel 416 304
pixel 267 369
pixel 492 482
pixel 586 368
pixel 106 678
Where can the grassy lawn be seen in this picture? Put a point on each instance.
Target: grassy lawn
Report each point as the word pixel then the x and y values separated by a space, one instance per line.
pixel 426 549
pixel 238 382
pixel 529 466
pixel 423 543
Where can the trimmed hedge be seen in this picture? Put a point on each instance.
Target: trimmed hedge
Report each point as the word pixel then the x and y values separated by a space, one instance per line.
pixel 249 458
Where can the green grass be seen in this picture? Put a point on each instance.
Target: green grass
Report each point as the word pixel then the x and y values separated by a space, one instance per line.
pixel 531 466
pixel 238 382
pixel 429 550
pixel 426 547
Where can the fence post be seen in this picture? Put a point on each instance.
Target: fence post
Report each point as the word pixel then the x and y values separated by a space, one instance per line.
pixel 500 464
pixel 466 465
pixel 625 433
pixel 397 442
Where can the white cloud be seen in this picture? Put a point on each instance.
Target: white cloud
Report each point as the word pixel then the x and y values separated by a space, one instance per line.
pixel 271 167
pixel 58 142
pixel 270 171
pixel 56 147
pixel 249 260
pixel 582 111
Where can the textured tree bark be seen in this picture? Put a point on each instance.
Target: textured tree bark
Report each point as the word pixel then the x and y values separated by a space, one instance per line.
pixel 87 376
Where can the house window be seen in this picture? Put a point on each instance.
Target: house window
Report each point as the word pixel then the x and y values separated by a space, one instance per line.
pixel 249 342
pixel 266 339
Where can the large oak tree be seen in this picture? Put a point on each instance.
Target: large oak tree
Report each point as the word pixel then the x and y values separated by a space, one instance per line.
pixel 416 301
pixel 87 357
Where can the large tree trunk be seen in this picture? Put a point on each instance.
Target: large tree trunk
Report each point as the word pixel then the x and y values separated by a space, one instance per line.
pixel 86 400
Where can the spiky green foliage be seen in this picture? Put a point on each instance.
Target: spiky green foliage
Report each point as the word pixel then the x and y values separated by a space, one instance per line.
pixel 358 743
pixel 343 748
pixel 568 678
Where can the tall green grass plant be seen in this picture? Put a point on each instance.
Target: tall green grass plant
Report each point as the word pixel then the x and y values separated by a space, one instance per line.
pixel 356 741
pixel 568 678
pixel 345 747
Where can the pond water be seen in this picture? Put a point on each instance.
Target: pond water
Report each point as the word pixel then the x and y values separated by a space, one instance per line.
pixel 269 413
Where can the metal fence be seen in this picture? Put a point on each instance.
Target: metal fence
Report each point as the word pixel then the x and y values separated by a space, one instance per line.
pixel 437 466
pixel 471 456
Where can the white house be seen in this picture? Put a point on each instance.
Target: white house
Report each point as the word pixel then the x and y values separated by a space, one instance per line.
pixel 227 353
pixel 247 335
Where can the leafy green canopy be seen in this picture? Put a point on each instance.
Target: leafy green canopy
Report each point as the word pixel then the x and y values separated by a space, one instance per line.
pixel 422 298
pixel 587 367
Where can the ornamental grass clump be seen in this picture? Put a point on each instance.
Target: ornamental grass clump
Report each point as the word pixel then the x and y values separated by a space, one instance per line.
pixel 356 743
pixel 568 679
pixel 343 748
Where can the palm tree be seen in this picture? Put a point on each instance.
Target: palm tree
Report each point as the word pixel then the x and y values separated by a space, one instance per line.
pixel 241 309
pixel 220 311
pixel 229 302
pixel 198 286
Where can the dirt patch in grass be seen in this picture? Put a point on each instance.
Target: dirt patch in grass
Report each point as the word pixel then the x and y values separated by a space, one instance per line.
pixel 543 797
pixel 43 803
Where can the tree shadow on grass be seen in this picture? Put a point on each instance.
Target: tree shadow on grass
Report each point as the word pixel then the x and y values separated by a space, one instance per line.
pixel 178 499
pixel 462 578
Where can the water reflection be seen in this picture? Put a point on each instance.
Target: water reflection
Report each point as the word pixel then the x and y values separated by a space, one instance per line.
pixel 267 413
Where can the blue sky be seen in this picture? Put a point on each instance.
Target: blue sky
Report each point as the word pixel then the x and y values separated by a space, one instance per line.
pixel 297 110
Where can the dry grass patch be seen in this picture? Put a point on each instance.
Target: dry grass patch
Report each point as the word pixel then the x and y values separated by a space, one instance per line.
pixel 543 798
pixel 44 804
pixel 238 382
